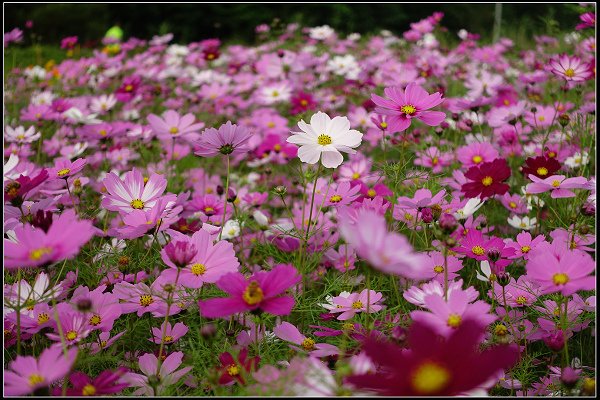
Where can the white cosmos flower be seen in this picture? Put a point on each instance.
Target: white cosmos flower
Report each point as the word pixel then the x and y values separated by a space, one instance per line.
pixel 486 272
pixel 10 165
pixel 275 93
pixel 525 223
pixel 330 305
pixel 231 229
pixel 577 160
pixel 103 103
pixel 79 117
pixel 20 135
pixel 469 209
pixel 327 137
pixel 321 32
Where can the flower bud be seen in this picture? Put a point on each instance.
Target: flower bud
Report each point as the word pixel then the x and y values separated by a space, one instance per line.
pixel 427 215
pixel 208 330
pixel 503 278
pixel 493 255
pixel 555 341
pixel 180 253
pixel 84 305
pixel 450 242
pixel 280 190
pixel 220 190
pixel 448 223
pixel 231 195
pixel 564 119
pixel 569 377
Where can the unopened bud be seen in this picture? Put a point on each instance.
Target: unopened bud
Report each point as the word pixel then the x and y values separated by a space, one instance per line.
pixel 564 119
pixel 448 222
pixel 280 190
pixel 555 341
pixel 427 215
pixel 84 305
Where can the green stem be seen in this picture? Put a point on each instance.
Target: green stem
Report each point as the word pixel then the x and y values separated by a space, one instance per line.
pixel 226 194
pixel 162 339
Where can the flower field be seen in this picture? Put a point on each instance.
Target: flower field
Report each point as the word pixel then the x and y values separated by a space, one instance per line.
pixel 314 215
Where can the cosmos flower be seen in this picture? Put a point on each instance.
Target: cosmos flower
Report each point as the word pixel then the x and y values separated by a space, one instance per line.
pixel 485 180
pixel 354 303
pixel 171 333
pixel 262 291
pixel 570 68
pixel 434 366
pixel 231 369
pixel 403 106
pixel 63 168
pixel 172 125
pixel 557 185
pixel 289 333
pixel 229 140
pixel 167 375
pixel 35 247
pixel 25 374
pixel 324 139
pixel 108 382
pixel 20 135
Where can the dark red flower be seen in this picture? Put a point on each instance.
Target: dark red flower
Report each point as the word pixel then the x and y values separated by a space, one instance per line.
pixel 103 384
pixel 541 166
pixel 434 366
pixel 302 102
pixel 127 91
pixel 487 179
pixel 16 191
pixel 231 369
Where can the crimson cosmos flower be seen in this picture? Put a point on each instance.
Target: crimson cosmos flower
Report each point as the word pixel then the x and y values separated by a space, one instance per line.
pixel 231 368
pixel 541 166
pixel 486 179
pixel 434 366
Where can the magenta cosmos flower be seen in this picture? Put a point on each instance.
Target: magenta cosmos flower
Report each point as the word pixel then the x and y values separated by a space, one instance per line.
pixel 229 139
pixel 401 107
pixel 64 168
pixel 261 291
pixel 289 333
pixel 354 303
pixel 132 192
pixel 485 180
pixel 172 125
pixel 171 333
pixel 434 366
pixel 558 185
pixel 208 264
pixel 35 247
pixel 105 383
pixel 25 375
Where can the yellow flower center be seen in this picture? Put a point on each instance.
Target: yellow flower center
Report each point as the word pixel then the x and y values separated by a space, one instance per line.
pixel 209 210
pixel 95 320
pixel 525 249
pixel 168 339
pixel 37 254
pixel 103 132
pixel 356 175
pixel 487 181
pixel 35 379
pixel 383 125
pixel 277 147
pixel 348 326
pixel 478 250
pixel 408 109
pixel 371 193
pixel 128 88
pixel 477 159
pixel 357 305
pixel 542 118
pixel 253 294
pixel 438 269
pixel 271 125
pixel 560 278
pixel 435 161
pixel 430 378
pixel 146 300
pixel 21 137
pixel 137 204
pixel 103 343
pixel 88 390
pixel 500 330
pixel 555 183
pixel 454 320
pixel 303 102
pixel 512 204
pixel 43 318
pixel 71 335
pixel 324 140
pixel 198 269
pixel 275 93
pixel 570 72
pixel 521 300
pixel 336 198
pixel 174 130
pixel 308 344
pixel 233 370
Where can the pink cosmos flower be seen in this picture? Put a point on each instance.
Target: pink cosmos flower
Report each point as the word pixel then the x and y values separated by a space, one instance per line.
pixel 289 333
pixel 64 168
pixel 447 316
pixel 34 247
pixel 558 185
pixel 133 192
pixel 210 262
pixel 74 326
pixel 401 107
pixel 343 259
pixel 171 333
pixel 261 291
pixel 354 303
pixel 519 293
pixel 140 222
pixel 229 139
pixel 434 268
pixel 416 295
pixel 20 135
pixel 570 68
pixel 476 153
pixel 524 244
pixel 433 158
pixel 338 195
pixel 25 375
pixel 105 383
pixel 386 251
pixel 566 273
pixel 172 125
pixel 105 307
pixel 104 342
pixel 422 198
pixel 514 203
pixel 168 373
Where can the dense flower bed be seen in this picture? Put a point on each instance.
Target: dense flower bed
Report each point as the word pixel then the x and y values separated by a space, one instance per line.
pixel 315 215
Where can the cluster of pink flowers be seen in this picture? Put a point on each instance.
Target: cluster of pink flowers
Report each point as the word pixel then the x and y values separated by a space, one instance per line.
pixel 313 215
